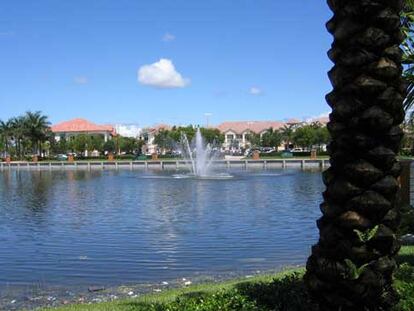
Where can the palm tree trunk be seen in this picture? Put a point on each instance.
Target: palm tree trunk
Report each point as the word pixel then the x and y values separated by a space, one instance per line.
pixel 351 267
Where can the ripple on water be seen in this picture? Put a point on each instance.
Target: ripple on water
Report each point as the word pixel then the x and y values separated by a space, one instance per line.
pixel 70 228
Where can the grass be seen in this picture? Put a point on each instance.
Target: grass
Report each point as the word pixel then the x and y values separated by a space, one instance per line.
pixel 282 291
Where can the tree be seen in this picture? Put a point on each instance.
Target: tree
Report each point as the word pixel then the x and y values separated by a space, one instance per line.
pixel 304 136
pixel 164 140
pixel 81 143
pixel 287 134
pixel 36 128
pixel 272 138
pixel 254 139
pixel 322 136
pixel 5 133
pixel 130 145
pixel 212 136
pixel 351 267
pixel 109 146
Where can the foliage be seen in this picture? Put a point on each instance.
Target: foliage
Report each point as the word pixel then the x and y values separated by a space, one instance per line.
pixel 168 139
pixel 367 235
pixel 354 272
pixel 287 133
pixel 24 134
pixel 272 138
pixel 109 146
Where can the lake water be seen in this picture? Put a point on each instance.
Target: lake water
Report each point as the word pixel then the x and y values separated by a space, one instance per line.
pixel 80 228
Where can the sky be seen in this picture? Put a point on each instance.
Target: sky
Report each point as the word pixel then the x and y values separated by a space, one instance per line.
pixel 164 61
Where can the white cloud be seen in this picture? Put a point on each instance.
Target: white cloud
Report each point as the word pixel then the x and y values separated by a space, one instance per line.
pixel 255 91
pixel 323 115
pixel 168 37
pixel 161 74
pixel 81 80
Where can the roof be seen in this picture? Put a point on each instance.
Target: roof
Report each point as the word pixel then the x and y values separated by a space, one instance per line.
pixel 159 127
pixel 81 125
pixel 239 127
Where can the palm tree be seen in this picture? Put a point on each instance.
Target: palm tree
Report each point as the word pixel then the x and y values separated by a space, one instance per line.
pixel 352 265
pixel 18 129
pixel 37 127
pixel 5 132
pixel 287 132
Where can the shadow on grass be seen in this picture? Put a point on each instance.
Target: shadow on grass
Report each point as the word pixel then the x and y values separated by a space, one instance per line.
pixel 288 293
pixel 280 294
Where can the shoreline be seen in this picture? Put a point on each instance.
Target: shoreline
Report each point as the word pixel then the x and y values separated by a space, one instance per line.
pixel 40 297
pixel 303 163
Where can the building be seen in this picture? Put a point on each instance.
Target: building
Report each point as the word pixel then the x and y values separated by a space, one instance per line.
pixel 79 126
pixel 148 135
pixel 236 133
pixel 128 130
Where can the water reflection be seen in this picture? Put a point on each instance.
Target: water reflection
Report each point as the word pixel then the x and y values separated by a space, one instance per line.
pixel 109 227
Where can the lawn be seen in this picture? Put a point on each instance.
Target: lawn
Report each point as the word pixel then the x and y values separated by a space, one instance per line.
pixel 283 291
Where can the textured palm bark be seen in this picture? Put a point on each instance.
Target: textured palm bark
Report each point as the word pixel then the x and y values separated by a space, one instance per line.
pixel 351 267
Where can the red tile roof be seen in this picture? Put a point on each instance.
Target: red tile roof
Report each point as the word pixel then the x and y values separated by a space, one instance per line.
pixel 253 126
pixel 81 125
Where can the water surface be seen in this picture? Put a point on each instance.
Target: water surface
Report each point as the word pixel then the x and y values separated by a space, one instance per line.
pixel 73 228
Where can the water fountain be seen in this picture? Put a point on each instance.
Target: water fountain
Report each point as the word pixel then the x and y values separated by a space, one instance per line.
pixel 200 158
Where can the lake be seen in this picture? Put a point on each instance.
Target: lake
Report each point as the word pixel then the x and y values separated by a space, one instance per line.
pixel 80 228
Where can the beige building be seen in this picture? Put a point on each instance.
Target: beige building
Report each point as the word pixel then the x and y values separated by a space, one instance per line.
pixel 236 134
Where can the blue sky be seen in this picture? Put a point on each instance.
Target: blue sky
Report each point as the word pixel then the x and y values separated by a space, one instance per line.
pixel 239 60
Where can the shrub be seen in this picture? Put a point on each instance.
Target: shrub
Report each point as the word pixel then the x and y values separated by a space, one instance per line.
pixel 407 220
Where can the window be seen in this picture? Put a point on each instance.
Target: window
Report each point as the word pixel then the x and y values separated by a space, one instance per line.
pixel 230 137
pixel 239 136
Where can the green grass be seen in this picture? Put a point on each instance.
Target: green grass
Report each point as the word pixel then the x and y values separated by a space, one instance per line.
pixel 282 291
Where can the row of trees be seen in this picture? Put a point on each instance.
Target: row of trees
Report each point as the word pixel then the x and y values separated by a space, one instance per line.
pixel 30 134
pixel 169 139
pixel 304 136
pixel 24 134
pixel 90 143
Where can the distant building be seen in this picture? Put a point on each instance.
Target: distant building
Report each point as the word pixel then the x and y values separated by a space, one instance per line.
pixel 236 133
pixel 128 130
pixel 72 128
pixel 148 135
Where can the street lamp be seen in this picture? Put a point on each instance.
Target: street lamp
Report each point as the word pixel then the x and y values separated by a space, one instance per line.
pixel 208 115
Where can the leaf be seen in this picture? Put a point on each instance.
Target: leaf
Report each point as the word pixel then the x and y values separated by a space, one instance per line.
pixel 354 272
pixel 367 235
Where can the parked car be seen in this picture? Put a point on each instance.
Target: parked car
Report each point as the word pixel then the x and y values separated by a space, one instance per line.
pixel 61 157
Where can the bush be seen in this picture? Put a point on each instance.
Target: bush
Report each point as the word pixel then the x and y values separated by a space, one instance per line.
pixel 405 287
pixel 229 300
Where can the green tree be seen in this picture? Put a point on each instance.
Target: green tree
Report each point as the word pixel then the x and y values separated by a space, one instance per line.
pixel 109 146
pixel 164 140
pixel 5 134
pixel 322 136
pixel 254 139
pixel 36 129
pixel 212 135
pixel 287 132
pixel 81 143
pixel 272 138
pixel 344 272
pixel 304 136
pixel 130 145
